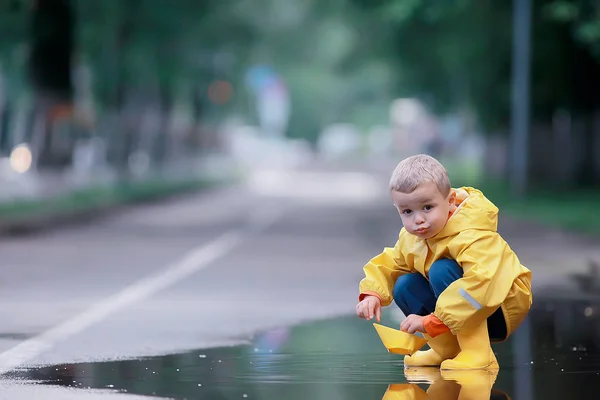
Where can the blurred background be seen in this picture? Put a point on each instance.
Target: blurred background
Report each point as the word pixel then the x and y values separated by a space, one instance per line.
pixel 98 92
pixel 107 102
pixel 126 89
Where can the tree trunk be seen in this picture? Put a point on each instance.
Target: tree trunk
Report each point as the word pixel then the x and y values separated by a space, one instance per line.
pixel 124 136
pixel 163 145
pixel 50 70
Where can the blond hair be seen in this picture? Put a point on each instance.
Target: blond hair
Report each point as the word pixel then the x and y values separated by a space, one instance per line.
pixel 417 170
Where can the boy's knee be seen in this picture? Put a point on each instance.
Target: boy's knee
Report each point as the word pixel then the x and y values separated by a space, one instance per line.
pixel 404 283
pixel 444 271
pixel 413 294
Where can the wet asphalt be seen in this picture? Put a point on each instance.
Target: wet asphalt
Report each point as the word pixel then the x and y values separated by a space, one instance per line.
pixel 247 292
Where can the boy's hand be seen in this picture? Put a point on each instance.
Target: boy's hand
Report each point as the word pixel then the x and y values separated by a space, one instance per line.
pixel 413 323
pixel 368 308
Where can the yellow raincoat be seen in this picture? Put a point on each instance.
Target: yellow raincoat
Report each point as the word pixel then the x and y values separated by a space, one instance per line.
pixel 492 274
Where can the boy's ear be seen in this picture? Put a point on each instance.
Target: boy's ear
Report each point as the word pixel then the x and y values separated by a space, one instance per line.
pixel 452 197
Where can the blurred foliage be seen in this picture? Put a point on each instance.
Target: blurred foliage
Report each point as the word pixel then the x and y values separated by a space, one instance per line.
pixel 14 26
pixel 583 17
pixel 343 60
pixel 176 49
pixel 170 44
pixel 458 54
pixel 452 55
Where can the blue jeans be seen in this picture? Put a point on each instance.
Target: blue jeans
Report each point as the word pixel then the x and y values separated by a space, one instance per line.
pixel 414 294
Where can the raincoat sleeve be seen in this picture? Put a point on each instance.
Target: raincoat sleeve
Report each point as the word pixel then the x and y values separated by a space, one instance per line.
pixel 488 267
pixel 381 273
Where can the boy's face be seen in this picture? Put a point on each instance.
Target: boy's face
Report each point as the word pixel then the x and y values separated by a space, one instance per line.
pixel 424 212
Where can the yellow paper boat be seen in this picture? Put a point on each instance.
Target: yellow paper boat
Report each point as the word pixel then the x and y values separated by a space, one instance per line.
pixel 398 342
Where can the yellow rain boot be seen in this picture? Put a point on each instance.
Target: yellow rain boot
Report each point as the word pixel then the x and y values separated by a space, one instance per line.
pixel 444 389
pixel 439 389
pixel 474 384
pixel 475 350
pixel 443 347
pixel 404 391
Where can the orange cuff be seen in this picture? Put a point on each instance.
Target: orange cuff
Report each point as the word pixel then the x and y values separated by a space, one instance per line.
pixel 434 326
pixel 362 296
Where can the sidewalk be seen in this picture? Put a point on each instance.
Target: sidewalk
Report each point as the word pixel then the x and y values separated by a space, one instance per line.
pixel 42 199
pixel 550 253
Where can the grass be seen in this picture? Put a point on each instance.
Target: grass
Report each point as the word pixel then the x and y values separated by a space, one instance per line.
pixel 573 210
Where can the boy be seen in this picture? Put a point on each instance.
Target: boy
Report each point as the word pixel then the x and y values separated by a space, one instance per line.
pixel 450 272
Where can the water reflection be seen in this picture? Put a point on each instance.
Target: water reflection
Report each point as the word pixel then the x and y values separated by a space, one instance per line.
pixel 431 383
pixel 343 359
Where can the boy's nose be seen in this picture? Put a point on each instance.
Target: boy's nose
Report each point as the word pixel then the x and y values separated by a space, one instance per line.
pixel 419 219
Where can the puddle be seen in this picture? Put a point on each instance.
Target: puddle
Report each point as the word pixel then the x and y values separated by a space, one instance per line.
pixel 554 355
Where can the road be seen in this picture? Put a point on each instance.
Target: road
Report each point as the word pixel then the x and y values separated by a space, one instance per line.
pixel 205 270
pixel 155 287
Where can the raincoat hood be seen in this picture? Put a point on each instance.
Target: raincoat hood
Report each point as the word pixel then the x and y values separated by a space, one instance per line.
pixel 473 211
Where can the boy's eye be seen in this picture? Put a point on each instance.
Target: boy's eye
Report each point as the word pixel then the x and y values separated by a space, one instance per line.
pixel 406 212
pixel 427 208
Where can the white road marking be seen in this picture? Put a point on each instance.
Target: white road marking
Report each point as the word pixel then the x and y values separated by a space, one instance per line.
pixel 194 261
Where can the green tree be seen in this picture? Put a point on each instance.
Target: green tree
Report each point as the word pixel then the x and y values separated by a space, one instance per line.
pixel 458 54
